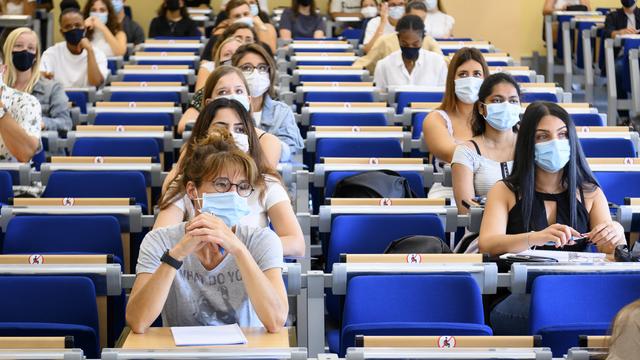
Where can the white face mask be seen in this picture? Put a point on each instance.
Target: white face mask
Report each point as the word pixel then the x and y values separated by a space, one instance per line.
pixel 467 89
pixel 246 20
pixel 431 4
pixel 396 12
pixel 102 17
pixel 369 11
pixel 258 83
pixel 241 98
pixel 242 141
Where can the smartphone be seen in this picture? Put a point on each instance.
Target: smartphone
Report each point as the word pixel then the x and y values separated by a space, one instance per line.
pixel 577 241
pixel 530 258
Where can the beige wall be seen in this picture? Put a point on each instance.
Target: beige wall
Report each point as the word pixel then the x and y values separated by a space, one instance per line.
pixel 514 26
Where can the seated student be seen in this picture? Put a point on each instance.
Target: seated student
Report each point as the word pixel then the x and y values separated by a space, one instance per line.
pixel 623 21
pixel 103 28
pixel 551 197
pixel 274 117
pixel 173 20
pixel 438 24
pixel 625 335
pixel 561 5
pixel 222 56
pixel 242 32
pixel 22 49
pixel 301 21
pixel 74 62
pixel 388 44
pixel 369 9
pixel 270 202
pixel 488 156
pixel 411 65
pixel 180 266
pixel 340 7
pixel 133 31
pixel 240 11
pixel 450 124
pixel 20 123
pixel 390 12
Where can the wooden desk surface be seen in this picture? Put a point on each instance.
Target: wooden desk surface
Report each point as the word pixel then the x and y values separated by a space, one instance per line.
pixel 161 338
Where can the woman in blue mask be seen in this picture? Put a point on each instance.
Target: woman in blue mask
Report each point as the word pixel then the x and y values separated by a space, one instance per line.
pixel 411 65
pixel 269 203
pixel 211 270
pixel 549 199
pixel 450 124
pixel 103 28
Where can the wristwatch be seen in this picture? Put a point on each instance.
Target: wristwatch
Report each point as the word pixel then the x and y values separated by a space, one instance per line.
pixel 171 261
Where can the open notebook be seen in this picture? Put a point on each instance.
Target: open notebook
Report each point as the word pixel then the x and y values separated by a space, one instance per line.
pixel 208 335
pixel 563 256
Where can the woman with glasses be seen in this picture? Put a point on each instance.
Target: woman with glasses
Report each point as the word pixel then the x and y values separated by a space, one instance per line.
pixel 274 117
pixel 214 269
pixel 268 204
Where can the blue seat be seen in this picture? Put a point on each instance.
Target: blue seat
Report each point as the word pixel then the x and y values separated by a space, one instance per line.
pixel 79 99
pixel 188 63
pixel 588 120
pixel 156 78
pixel 149 119
pixel 98 184
pixel 6 187
pixel 580 305
pixel 336 119
pixel 416 124
pixel 404 99
pixel 352 33
pixel 330 78
pixel 412 305
pixel 608 147
pixel 497 62
pixel 348 96
pixel 356 147
pixel 138 96
pixel 112 64
pixel 116 147
pixel 618 185
pixel 324 63
pixel 51 306
pixel 628 45
pixel 529 97
pixel 415 181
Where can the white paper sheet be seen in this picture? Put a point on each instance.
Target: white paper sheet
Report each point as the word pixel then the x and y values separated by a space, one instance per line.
pixel 208 335
pixel 564 256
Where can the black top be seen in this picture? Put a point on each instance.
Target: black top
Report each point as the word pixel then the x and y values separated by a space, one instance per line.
pixel 301 26
pixel 197 3
pixel 538 222
pixel 134 32
pixel 160 26
pixel 617 20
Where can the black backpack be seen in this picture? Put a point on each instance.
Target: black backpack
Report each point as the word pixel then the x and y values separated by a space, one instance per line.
pixel 418 244
pixel 374 184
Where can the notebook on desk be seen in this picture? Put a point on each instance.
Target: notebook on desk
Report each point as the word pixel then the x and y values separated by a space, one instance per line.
pixel 208 335
pixel 562 256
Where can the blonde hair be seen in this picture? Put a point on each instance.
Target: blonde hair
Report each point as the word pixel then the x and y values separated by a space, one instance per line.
pixel 218 52
pixel 621 324
pixel 12 73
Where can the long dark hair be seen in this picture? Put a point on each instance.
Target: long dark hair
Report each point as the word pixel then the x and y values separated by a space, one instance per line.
pixel 295 6
pixel 112 20
pixel 478 122
pixel 576 173
pixel 162 11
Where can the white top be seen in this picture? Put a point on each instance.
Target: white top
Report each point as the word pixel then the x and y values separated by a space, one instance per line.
pixel 208 65
pixel 438 190
pixel 430 70
pixel 631 21
pixel 100 42
pixel 257 118
pixel 372 26
pixel 561 4
pixel 486 172
pixel 68 69
pixel 275 193
pixel 14 9
pixel 25 110
pixel 439 25
pixel 345 6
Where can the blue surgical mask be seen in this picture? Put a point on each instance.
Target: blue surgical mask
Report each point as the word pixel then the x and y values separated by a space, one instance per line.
pixel 254 9
pixel 396 12
pixel 228 206
pixel 103 17
pixel 118 5
pixel 245 20
pixel 241 98
pixel 553 155
pixel 467 89
pixel 503 116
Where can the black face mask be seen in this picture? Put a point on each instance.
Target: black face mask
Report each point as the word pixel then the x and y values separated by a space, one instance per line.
pixel 304 2
pixel 74 36
pixel 628 3
pixel 23 60
pixel 410 53
pixel 173 5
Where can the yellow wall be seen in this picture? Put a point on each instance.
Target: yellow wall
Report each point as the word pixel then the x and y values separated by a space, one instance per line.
pixel 514 26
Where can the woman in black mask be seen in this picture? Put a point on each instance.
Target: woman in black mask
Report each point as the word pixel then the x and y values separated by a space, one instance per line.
pixel 22 56
pixel 301 21
pixel 173 21
pixel 411 65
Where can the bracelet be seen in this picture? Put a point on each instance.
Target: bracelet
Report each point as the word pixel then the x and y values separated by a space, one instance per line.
pixel 528 243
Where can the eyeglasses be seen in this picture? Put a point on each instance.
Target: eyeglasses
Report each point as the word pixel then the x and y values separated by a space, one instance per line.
pixel 248 68
pixel 223 185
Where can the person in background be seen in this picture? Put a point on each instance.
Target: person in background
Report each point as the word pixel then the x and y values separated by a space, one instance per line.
pixel 438 24
pixel 22 49
pixel 74 62
pixel 222 56
pixel 411 65
pixel 217 178
pixel 173 21
pixel 450 124
pixel 103 28
pixel 20 123
pixel 561 5
pixel 342 7
pixel 301 21
pixel 624 342
pixel 65 4
pixel 368 10
pixel 240 11
pixel 390 13
pixel 274 117
pixel 134 32
pixel 18 7
pixel 388 44
pixel 202 4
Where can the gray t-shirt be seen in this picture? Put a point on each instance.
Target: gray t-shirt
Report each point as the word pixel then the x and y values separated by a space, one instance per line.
pixel 216 297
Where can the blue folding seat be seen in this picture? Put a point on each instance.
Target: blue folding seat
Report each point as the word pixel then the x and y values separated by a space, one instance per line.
pixel 135 147
pixel 608 147
pixel 350 119
pixel 6 187
pixel 156 78
pixel 51 306
pixel 405 98
pixel 79 98
pixel 339 96
pixel 412 305
pixel 357 147
pixel 139 96
pixel 529 97
pixel 563 307
pixel 147 119
pixel 588 120
pixel 618 185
